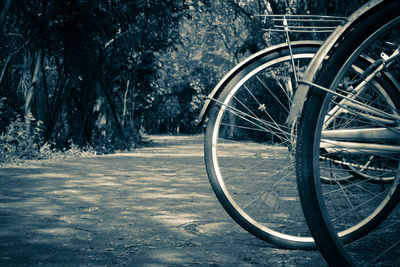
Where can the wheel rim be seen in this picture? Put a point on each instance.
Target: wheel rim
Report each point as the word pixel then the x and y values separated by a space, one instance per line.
pixel 258 209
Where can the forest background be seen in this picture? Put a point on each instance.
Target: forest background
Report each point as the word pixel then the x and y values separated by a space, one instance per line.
pixel 99 74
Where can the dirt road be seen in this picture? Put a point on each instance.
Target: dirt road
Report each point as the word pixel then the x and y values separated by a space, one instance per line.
pixel 153 207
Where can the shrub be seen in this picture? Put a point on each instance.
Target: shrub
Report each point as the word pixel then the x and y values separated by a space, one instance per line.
pixel 16 143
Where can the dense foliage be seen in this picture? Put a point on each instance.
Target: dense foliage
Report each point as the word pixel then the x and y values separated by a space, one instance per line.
pixel 100 72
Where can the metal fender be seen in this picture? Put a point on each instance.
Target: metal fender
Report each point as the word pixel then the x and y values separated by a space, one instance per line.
pixel 231 74
pixel 333 40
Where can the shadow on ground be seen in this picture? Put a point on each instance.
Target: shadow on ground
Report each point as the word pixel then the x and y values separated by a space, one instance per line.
pixel 153 207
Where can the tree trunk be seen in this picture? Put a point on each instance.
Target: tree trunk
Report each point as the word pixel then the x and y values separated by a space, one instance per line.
pixel 31 93
pixel 57 104
pixel 4 13
pixel 113 107
pixel 125 101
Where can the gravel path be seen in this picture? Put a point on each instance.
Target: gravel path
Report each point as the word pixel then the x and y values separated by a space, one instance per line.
pixel 153 207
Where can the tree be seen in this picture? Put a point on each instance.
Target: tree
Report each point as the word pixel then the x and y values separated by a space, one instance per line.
pixel 97 71
pixel 74 59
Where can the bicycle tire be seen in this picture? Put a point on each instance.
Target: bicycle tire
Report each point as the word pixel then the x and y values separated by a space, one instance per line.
pixel 214 148
pixel 309 155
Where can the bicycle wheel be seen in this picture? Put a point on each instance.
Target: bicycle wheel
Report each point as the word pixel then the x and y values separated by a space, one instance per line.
pixel 350 124
pixel 249 149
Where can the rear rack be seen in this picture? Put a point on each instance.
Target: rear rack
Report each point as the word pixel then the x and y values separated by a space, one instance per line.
pixel 300 23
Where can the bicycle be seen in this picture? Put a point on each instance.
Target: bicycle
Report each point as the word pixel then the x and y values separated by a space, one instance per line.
pixel 249 149
pixel 348 143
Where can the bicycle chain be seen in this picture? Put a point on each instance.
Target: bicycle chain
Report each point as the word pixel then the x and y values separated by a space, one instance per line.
pixel 357 165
